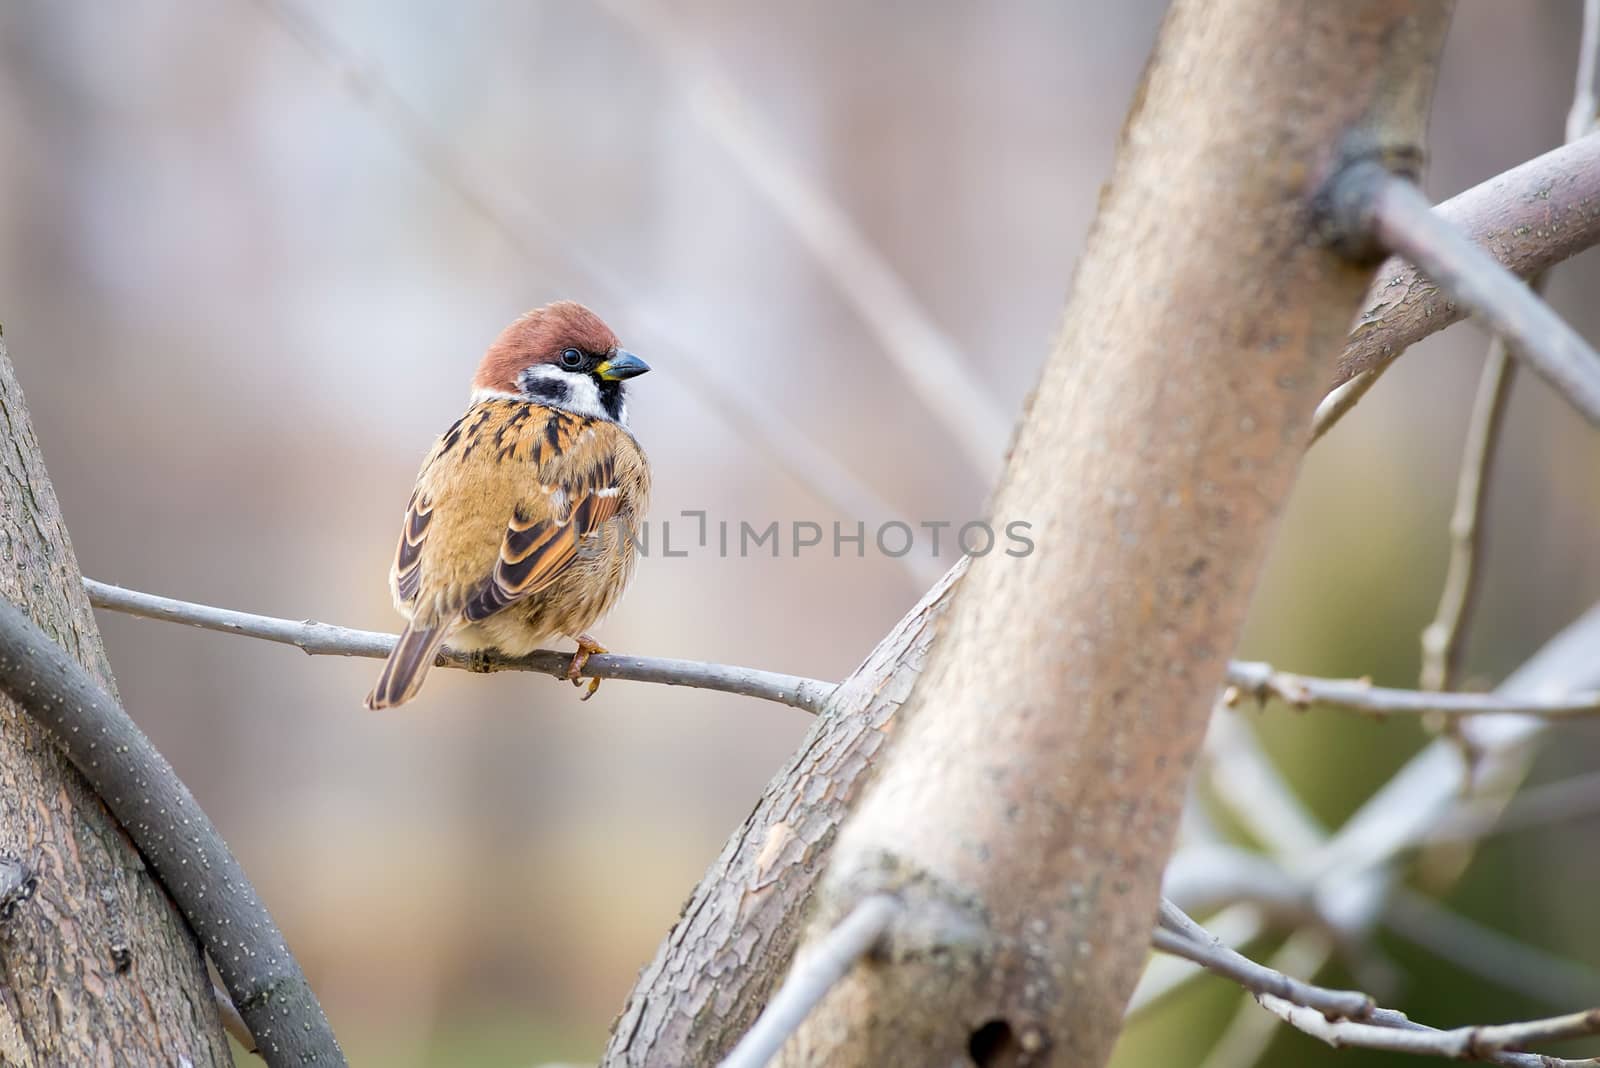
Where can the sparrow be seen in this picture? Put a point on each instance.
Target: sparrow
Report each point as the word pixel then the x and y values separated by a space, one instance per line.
pixel 521 525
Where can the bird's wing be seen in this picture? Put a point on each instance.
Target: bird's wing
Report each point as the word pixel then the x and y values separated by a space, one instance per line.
pixel 503 506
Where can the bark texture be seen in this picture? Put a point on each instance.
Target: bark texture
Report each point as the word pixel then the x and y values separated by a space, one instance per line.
pixel 98 967
pixel 1531 218
pixel 730 947
pixel 1028 806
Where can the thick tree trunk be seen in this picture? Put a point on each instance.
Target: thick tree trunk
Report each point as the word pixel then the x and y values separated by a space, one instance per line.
pixel 99 968
pixel 730 947
pixel 1026 810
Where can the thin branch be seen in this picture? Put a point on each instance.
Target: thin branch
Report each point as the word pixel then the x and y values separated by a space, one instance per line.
pixel 1531 218
pixel 1261 681
pixel 1444 639
pixel 815 973
pixel 750 416
pixel 1250 1032
pixel 1392 1032
pixel 1585 108
pixel 1340 400
pixel 1245 678
pixel 1183 937
pixel 325 639
pixel 1405 223
pixel 929 362
pixel 175 838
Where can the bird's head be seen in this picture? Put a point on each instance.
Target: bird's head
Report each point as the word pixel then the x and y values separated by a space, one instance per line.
pixel 561 355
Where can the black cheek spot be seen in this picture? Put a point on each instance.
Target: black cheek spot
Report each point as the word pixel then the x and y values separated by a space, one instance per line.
pixel 545 388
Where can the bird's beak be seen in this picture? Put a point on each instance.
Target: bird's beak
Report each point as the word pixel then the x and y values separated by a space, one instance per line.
pixel 622 364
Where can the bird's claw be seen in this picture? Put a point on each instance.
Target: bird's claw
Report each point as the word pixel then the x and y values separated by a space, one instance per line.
pixel 587 647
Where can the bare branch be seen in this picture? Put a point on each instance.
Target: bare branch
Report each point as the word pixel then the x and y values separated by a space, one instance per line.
pixel 1530 218
pixel 1391 1031
pixel 1180 935
pixel 816 971
pixel 930 363
pixel 1444 639
pixel 1260 681
pixel 1585 108
pixel 325 639
pixel 1404 222
pixel 1250 1032
pixel 175 837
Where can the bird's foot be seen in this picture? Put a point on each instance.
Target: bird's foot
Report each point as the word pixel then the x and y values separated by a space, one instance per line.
pixel 587 647
pixel 481 661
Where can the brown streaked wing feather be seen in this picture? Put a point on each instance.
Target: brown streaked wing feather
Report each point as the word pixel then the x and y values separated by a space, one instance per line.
pixel 546 531
pixel 408 556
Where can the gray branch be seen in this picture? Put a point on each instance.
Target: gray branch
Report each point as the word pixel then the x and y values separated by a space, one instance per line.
pixel 325 639
pixel 176 839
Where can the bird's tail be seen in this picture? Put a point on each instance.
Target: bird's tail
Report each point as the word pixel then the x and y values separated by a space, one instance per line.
pixel 408 665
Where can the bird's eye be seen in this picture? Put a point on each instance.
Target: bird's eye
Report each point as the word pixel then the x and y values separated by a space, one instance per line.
pixel 571 359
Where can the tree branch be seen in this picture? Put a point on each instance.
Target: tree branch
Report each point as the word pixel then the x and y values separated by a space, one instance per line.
pixel 1529 219
pixel 815 973
pixel 1180 935
pixel 1405 223
pixel 687 1008
pixel 1261 681
pixel 325 639
pixel 175 837
pixel 1444 639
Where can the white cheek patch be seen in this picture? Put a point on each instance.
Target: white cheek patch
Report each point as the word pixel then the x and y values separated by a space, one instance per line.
pixel 570 391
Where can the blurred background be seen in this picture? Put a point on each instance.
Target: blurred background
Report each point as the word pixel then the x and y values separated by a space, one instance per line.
pixel 250 252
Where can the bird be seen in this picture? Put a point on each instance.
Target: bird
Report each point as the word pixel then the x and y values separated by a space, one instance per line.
pixel 521 526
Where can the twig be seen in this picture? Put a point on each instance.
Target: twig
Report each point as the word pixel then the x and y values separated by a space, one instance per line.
pixel 1391 1031
pixel 1250 1031
pixel 1531 217
pixel 753 418
pixel 1246 678
pixel 1340 400
pixel 175 837
pixel 1444 639
pixel 1403 222
pixel 1261 681
pixel 325 639
pixel 815 973
pixel 1585 108
pixel 929 362
pixel 1181 936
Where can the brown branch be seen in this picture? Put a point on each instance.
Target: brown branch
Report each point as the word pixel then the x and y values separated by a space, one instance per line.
pixel 687 1009
pixel 1444 639
pixel 1405 223
pixel 175 838
pixel 815 973
pixel 1529 219
pixel 1159 447
pixel 68 997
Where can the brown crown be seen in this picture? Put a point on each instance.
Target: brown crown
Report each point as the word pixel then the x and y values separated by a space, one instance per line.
pixel 540 337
